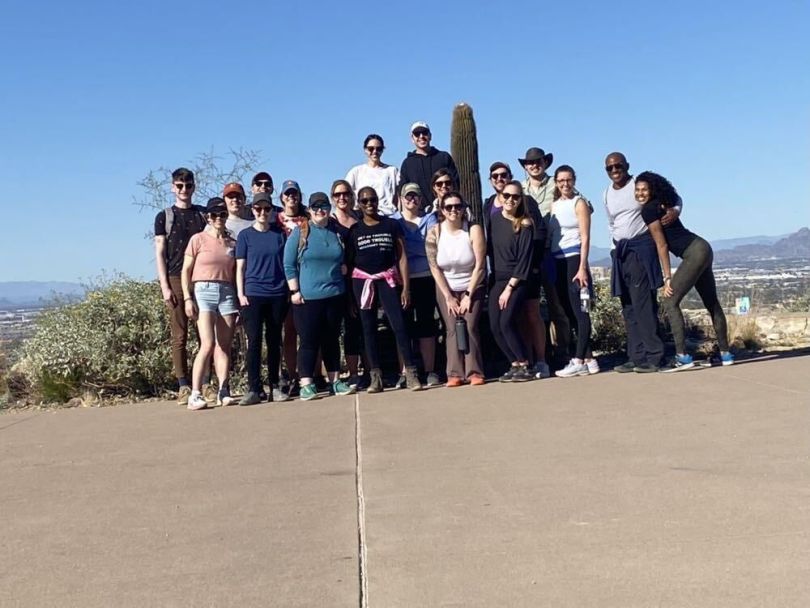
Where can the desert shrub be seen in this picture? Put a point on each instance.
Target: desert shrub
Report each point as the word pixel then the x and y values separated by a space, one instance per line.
pixel 744 332
pixel 115 341
pixel 608 334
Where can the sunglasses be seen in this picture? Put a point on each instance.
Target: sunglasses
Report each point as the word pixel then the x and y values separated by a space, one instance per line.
pixel 321 208
pixel 453 207
pixel 263 184
pixel 411 196
pixel 499 176
pixel 443 184
pixel 567 180
pixel 373 149
pixel 222 215
pixel 513 197
pixel 368 201
pixel 342 194
pixel 292 193
pixel 421 133
pixel 184 185
pixel 262 209
pixel 614 166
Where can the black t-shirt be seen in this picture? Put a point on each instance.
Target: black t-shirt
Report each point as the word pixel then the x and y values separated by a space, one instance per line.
pixel 187 223
pixel 373 248
pixel 678 237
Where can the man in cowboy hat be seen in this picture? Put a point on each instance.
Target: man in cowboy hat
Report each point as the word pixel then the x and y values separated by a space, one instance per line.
pixel 540 187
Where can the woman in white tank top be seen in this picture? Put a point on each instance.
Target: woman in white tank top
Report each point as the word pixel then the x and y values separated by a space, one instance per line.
pixel 456 253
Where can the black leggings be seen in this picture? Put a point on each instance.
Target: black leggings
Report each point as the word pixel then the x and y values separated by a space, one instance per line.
pixel 270 312
pixel 568 292
pixel 503 323
pixel 420 317
pixel 695 271
pixel 318 325
pixel 389 297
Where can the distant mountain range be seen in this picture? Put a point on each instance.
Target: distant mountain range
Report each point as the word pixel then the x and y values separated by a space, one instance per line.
pixel 745 249
pixel 28 294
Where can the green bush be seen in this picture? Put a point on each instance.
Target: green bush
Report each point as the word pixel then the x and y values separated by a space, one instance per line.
pixel 116 341
pixel 607 333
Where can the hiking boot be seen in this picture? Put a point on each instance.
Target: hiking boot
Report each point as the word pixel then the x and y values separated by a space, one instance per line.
pixel 338 387
pixel 376 384
pixel 681 363
pixel 250 398
pixel 522 374
pixel 432 379
pixel 308 392
pixel 224 397
pixel 278 394
pixel 507 377
pixel 412 379
pixel 645 368
pixel 196 402
pixel 183 395
pixel 209 393
pixel 477 380
pixel 574 368
pixel 627 366
pixel 453 381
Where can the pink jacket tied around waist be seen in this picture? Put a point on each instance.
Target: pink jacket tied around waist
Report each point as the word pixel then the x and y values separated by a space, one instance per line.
pixel 390 276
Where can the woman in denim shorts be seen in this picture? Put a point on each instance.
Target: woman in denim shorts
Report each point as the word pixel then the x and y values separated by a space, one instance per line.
pixel 210 297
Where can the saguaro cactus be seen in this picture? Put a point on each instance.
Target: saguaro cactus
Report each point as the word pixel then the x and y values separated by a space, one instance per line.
pixel 464 148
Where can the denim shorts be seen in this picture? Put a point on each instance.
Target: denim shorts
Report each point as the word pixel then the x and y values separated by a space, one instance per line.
pixel 214 296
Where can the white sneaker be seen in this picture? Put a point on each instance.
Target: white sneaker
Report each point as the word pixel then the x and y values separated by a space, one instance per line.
pixel 593 366
pixel 573 369
pixel 540 370
pixel 196 402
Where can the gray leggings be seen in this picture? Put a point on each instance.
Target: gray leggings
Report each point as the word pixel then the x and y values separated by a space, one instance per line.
pixel 695 271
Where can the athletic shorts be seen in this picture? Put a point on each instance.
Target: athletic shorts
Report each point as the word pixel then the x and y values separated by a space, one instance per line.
pixel 214 296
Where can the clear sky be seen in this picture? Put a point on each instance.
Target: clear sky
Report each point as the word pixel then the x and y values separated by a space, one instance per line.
pixel 714 95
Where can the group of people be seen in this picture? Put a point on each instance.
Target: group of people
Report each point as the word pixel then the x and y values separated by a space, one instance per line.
pixel 300 277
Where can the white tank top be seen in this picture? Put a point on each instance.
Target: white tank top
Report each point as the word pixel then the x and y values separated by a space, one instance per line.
pixel 456 258
pixel 564 224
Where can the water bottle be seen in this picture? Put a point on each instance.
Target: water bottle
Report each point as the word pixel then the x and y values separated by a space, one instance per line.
pixel 462 340
pixel 585 299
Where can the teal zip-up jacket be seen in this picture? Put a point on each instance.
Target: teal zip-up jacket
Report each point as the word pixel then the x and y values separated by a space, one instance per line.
pixel 318 266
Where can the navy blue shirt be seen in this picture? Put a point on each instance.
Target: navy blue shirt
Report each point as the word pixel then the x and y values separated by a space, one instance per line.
pixel 263 253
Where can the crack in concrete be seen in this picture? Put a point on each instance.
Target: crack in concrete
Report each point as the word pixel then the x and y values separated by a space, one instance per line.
pixel 361 507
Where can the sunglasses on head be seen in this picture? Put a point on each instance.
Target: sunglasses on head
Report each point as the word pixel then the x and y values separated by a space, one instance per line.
pixel 456 207
pixel 614 166
pixel 184 185
pixel 499 176
pixel 421 133
pixel 368 201
pixel 513 197
pixel 375 148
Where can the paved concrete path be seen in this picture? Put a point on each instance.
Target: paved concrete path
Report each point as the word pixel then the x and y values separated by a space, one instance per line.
pixel 689 489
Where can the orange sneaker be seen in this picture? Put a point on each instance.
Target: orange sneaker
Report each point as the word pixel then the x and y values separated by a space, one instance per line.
pixel 454 381
pixel 477 380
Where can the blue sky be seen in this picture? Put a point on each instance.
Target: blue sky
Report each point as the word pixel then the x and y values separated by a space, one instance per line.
pixel 714 95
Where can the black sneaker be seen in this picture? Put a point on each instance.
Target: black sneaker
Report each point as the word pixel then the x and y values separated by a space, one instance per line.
pixel 645 368
pixel 262 395
pixel 625 367
pixel 507 377
pixel 522 374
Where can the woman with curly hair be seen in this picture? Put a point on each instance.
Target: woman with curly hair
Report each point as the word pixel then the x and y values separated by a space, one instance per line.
pixel 656 194
pixel 510 246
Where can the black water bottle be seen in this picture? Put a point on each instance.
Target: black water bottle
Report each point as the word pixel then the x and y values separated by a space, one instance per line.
pixel 462 341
